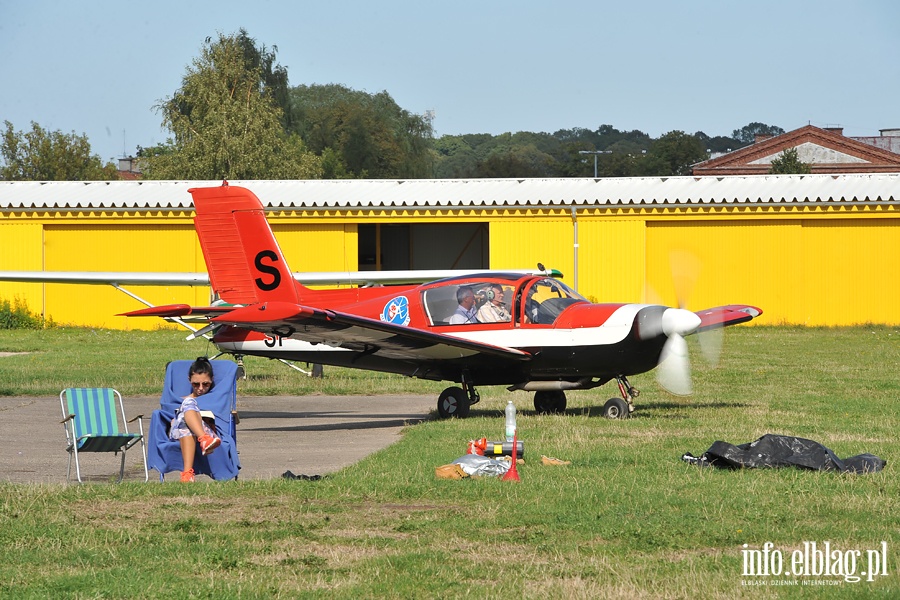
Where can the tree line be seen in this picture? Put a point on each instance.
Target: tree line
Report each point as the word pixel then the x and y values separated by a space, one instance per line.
pixel 235 116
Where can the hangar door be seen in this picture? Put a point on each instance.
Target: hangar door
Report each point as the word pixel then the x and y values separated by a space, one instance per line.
pixel 810 272
pixel 418 246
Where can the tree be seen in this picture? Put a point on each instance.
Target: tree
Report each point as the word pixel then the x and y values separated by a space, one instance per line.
pixel 273 77
pixel 673 154
pixel 747 134
pixel 517 161
pixel 41 155
pixel 789 162
pixel 374 137
pixel 719 143
pixel 226 122
pixel 623 150
pixel 456 157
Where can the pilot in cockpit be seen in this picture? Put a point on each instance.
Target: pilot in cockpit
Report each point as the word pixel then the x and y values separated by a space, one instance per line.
pixel 494 309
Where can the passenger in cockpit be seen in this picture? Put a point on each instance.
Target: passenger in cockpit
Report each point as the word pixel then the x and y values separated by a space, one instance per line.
pixel 494 310
pixel 465 312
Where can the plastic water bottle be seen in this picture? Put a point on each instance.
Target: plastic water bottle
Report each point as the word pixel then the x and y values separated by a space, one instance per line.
pixel 510 421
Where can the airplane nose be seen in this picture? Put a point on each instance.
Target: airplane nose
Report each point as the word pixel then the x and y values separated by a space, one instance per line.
pixel 679 321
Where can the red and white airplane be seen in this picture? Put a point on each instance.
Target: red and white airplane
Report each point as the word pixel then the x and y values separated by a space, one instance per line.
pixel 525 331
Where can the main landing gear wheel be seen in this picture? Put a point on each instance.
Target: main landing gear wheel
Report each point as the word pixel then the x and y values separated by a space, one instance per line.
pixel 550 401
pixel 453 402
pixel 616 408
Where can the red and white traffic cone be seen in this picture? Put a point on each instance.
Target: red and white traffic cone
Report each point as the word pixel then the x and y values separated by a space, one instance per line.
pixel 513 473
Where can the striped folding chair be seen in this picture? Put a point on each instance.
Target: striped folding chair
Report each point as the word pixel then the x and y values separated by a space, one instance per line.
pixel 91 421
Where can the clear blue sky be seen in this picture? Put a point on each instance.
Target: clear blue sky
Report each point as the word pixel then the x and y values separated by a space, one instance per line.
pixel 99 67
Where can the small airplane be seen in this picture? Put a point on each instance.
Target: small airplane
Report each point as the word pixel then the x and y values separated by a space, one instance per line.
pixel 527 331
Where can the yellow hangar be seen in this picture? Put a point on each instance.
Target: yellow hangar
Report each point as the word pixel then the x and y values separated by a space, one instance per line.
pixel 807 249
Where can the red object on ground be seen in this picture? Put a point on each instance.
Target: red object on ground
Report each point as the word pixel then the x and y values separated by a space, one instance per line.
pixel 513 473
pixel 477 446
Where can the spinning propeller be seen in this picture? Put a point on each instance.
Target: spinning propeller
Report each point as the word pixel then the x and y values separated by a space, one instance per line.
pixel 674 369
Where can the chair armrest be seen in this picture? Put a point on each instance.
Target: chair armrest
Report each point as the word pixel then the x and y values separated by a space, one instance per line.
pixel 235 417
pixel 69 418
pixel 135 419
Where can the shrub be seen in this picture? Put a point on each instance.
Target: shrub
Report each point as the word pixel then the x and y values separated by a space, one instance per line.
pixel 15 315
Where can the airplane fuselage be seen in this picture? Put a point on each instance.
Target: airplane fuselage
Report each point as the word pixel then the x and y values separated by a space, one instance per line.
pixel 574 352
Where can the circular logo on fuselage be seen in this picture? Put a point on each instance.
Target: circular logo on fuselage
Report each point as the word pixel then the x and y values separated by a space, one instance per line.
pixel 396 311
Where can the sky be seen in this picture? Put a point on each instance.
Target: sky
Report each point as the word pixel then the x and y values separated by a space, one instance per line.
pixel 98 68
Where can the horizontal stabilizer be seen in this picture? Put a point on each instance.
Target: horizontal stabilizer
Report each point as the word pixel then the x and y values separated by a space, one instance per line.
pixel 270 312
pixel 723 316
pixel 178 310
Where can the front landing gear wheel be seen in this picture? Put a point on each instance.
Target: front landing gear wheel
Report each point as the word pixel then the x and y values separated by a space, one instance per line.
pixel 550 401
pixel 616 408
pixel 453 402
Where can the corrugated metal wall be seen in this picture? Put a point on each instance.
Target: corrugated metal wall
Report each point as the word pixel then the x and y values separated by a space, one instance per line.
pixel 20 245
pixel 118 247
pixel 521 243
pixel 813 271
pixel 854 271
pixel 317 247
pixel 805 271
pixel 809 268
pixel 711 263
pixel 611 259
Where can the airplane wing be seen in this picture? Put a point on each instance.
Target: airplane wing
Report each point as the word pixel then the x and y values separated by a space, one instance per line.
pixel 106 277
pixel 723 316
pixel 342 330
pixel 365 278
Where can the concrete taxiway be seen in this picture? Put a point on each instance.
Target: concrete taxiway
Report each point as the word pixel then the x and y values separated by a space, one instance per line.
pixel 309 435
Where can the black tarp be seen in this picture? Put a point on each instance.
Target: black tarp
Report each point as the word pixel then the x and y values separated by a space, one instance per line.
pixel 772 450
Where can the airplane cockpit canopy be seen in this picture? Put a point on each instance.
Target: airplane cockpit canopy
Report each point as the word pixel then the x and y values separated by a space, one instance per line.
pixel 442 301
pixel 546 298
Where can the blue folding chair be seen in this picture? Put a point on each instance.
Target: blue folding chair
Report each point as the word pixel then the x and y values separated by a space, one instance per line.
pixel 164 454
pixel 91 421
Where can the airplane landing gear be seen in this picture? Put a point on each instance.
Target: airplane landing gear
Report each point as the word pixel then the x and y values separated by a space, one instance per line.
pixel 550 401
pixel 453 402
pixel 456 401
pixel 621 408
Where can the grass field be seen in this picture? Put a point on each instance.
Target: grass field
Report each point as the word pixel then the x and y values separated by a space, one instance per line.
pixel 627 519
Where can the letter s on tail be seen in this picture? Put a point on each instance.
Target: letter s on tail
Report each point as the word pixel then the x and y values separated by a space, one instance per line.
pixel 243 259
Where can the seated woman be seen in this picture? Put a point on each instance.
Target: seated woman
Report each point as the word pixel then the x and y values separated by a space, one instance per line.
pixel 188 426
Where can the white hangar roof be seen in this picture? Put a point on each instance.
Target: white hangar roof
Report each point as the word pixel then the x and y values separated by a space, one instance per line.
pixel 465 193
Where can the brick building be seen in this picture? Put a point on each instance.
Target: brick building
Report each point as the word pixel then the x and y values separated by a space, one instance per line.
pixel 825 150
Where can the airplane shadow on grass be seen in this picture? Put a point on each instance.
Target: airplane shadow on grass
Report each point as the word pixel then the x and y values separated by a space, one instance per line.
pixel 641 410
pixel 360 421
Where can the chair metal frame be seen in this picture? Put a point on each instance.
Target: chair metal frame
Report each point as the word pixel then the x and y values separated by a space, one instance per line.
pixel 107 438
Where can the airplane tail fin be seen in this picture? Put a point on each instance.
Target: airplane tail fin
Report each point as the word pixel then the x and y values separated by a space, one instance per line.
pixel 243 259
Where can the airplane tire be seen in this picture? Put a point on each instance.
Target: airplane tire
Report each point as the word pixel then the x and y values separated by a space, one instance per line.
pixel 547 402
pixel 453 402
pixel 616 408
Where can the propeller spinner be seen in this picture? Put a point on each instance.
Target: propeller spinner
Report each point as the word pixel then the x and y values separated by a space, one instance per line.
pixel 674 370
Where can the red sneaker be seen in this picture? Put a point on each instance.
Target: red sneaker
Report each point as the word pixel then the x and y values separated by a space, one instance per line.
pixel 208 443
pixel 187 476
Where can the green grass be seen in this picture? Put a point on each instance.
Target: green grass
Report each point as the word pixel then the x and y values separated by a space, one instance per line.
pixel 627 519
pixel 134 363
